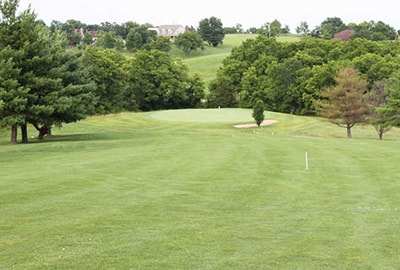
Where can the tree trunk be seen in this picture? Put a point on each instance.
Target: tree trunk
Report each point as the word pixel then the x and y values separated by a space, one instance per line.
pixel 43 131
pixel 14 133
pixel 24 133
pixel 380 135
pixel 349 132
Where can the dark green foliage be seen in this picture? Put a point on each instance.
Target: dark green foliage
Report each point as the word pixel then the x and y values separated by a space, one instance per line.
pixel 108 69
pixel 390 110
pixel 290 76
pixel 160 82
pixel 211 30
pixel 188 42
pixel 258 112
pixel 72 29
pixel 330 26
pixel 106 40
pixel 41 83
pixel 14 97
pixel 374 31
pixel 161 43
pixel 221 94
pixel 140 37
pixel 376 99
pixel 275 28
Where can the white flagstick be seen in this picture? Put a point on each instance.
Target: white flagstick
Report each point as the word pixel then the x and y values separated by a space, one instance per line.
pixel 306 155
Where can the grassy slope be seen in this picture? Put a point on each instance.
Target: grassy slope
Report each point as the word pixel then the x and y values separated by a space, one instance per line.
pixel 184 190
pixel 207 63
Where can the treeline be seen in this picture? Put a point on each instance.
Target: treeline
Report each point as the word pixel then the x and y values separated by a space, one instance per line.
pixel 46 83
pixel 292 77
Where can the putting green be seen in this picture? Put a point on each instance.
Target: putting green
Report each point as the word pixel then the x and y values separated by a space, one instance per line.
pixel 204 115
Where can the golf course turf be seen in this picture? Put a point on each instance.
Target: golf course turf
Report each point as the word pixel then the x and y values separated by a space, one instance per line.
pixel 184 189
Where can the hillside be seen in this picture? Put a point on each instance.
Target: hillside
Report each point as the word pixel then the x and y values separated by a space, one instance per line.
pixel 207 63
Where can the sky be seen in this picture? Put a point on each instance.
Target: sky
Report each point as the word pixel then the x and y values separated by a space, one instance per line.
pixel 248 13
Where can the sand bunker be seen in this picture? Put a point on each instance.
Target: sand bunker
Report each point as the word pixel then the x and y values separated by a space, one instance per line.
pixel 264 123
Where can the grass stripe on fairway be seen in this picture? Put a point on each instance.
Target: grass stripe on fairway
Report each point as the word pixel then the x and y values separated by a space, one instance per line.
pixel 185 190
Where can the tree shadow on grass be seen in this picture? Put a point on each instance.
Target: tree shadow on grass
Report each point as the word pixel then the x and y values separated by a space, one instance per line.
pixel 74 138
pixel 81 137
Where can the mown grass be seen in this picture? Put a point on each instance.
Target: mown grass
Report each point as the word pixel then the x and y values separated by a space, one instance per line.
pixel 185 190
pixel 207 62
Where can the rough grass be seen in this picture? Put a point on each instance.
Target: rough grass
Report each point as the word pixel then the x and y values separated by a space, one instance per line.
pixel 185 190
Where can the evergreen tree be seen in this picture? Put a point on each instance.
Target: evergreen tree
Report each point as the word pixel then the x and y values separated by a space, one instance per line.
pixel 258 112
pixel 36 86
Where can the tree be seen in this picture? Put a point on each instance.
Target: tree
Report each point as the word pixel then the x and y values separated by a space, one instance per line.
pixel 108 69
pixel 73 29
pixel 221 94
pixel 330 26
pixel 106 40
pixel 70 92
pixel 161 43
pixel 374 31
pixel 39 84
pixel 275 28
pixel 188 42
pixel 139 37
pixel 345 105
pixel 391 110
pixel 258 112
pixel 195 91
pixel 20 42
pixel 285 29
pixel 252 30
pixel 230 30
pixel 303 29
pixel 87 39
pixel 211 30
pixel 160 82
pixel 13 96
pixel 376 100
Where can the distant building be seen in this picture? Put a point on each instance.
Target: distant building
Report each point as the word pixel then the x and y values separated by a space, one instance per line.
pixel 94 34
pixel 81 33
pixel 345 35
pixel 171 31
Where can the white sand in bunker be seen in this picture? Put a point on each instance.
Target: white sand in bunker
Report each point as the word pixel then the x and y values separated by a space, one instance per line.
pixel 264 123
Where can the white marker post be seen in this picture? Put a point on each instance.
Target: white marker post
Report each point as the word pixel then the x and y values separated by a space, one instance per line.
pixel 306 156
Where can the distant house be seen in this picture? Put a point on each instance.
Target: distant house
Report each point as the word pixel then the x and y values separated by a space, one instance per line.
pixel 81 34
pixel 345 35
pixel 79 31
pixel 171 31
pixel 94 34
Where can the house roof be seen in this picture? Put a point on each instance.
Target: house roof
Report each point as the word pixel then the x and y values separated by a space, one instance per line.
pixel 344 35
pixel 172 30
